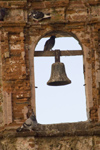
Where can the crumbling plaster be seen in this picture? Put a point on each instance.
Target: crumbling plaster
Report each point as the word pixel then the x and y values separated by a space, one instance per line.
pixel 19 36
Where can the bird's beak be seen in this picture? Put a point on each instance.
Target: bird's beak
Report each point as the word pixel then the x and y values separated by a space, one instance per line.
pixel 29 14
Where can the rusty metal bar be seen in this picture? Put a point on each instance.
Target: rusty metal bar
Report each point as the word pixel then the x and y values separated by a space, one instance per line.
pixel 62 53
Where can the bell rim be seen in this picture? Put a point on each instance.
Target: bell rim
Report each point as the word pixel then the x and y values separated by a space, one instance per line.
pixel 60 83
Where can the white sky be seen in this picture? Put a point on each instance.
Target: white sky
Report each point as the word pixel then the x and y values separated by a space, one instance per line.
pixel 60 104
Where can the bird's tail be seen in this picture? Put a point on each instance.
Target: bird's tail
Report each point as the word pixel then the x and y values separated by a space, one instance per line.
pixel 19 129
pixel 47 15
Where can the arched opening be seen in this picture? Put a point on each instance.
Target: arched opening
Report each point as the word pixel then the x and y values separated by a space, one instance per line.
pixel 61 103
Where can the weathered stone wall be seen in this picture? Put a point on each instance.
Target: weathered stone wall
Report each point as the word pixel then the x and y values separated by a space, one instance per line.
pixel 15 97
pixel 19 36
pixel 73 136
pixel 51 143
pixel 79 19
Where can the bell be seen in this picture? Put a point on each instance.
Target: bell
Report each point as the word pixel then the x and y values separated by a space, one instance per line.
pixel 58 75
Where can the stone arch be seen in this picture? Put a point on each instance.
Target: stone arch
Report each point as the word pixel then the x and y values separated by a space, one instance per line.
pixel 35 40
pixel 61 33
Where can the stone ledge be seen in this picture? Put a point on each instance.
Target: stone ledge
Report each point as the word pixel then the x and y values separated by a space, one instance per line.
pixel 13 4
pixel 12 24
pixel 48 4
pixel 55 130
pixel 92 2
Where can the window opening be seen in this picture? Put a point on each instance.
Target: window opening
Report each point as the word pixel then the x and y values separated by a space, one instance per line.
pixel 61 103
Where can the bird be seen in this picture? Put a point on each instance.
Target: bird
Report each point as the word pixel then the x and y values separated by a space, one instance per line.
pixel 30 124
pixel 38 15
pixel 49 43
pixel 2 13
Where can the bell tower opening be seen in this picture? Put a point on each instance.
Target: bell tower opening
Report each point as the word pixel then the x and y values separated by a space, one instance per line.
pixel 60 104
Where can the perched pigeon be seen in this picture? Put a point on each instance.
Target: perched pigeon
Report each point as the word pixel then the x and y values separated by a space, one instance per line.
pixel 2 14
pixel 49 43
pixel 29 124
pixel 38 15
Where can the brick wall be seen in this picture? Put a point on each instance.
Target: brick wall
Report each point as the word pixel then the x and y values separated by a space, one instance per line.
pixel 14 64
pixel 19 36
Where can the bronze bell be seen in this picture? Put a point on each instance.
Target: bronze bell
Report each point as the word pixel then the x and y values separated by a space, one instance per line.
pixel 58 74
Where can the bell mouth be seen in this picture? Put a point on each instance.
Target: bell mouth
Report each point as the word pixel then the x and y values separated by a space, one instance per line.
pixel 58 83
